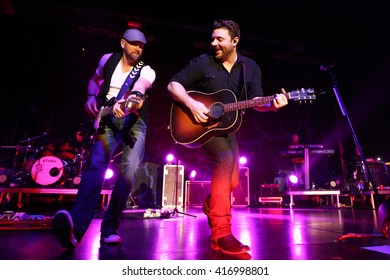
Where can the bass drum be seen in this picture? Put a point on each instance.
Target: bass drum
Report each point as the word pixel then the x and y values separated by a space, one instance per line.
pixel 47 170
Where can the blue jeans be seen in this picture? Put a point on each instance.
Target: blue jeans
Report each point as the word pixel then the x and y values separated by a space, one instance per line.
pixel 223 152
pixel 88 196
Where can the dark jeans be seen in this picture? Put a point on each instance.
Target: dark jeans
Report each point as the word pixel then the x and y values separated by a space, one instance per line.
pixel 88 195
pixel 223 153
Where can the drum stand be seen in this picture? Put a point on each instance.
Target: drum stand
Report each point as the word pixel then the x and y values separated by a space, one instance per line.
pixel 19 172
pixel 20 176
pixel 76 178
pixel 77 165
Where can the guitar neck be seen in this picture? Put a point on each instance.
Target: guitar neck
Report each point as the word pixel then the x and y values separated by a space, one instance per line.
pixel 108 110
pixel 250 103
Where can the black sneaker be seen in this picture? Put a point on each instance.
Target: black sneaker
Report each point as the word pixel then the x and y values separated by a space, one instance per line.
pixel 112 239
pixel 63 229
pixel 229 245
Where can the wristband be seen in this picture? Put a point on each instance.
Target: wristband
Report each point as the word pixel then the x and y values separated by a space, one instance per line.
pixel 139 94
pixel 89 95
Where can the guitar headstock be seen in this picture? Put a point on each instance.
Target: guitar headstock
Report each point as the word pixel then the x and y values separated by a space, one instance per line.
pixel 302 95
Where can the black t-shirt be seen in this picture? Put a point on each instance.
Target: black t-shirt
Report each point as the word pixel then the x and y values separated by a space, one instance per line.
pixel 206 74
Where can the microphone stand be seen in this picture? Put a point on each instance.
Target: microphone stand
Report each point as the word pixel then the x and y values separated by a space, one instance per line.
pixel 366 170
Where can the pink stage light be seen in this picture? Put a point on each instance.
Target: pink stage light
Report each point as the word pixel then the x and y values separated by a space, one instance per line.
pixel 169 158
pixel 293 178
pixel 243 160
pixel 109 174
pixel 192 174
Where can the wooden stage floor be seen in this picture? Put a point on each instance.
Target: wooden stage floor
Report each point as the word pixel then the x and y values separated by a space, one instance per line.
pixel 273 233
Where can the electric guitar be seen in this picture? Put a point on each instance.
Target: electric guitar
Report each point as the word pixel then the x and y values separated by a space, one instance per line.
pixel 106 110
pixel 225 115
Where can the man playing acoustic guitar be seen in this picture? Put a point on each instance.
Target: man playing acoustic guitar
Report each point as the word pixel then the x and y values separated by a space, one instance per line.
pixel 227 70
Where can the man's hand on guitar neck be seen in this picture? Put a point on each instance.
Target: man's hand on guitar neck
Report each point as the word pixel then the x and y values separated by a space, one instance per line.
pixel 123 107
pixel 279 100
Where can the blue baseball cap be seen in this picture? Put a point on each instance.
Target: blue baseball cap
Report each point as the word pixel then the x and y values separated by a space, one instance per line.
pixel 134 35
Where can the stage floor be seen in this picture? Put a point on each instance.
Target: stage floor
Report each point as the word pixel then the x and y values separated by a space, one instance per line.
pixel 273 233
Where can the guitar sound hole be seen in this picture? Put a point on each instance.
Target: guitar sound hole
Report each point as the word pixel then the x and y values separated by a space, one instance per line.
pixel 216 110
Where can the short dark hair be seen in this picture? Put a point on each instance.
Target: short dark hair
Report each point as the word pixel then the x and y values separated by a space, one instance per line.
pixel 231 26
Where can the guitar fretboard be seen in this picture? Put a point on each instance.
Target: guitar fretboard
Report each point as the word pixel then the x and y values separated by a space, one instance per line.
pixel 301 95
pixel 249 103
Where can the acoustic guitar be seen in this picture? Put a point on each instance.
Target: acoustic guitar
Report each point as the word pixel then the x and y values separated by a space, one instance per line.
pixel 225 114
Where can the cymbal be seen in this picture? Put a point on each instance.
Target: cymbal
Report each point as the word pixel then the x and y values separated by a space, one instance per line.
pixel 15 147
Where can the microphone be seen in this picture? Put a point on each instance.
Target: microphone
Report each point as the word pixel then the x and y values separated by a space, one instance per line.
pixel 54 171
pixel 327 67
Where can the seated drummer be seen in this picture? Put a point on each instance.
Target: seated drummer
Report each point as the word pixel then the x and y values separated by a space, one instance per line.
pixel 296 144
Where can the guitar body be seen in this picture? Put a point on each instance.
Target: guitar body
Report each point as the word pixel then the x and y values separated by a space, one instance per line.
pixel 105 111
pixel 225 114
pixel 187 132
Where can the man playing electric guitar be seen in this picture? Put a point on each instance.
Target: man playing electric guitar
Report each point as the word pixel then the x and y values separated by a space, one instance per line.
pixel 128 105
pixel 124 77
pixel 223 68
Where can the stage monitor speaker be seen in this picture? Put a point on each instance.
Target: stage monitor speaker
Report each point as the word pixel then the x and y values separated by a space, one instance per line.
pixel 196 192
pixel 173 180
pixel 379 173
pixel 240 195
pixel 269 190
pixel 384 218
pixel 144 191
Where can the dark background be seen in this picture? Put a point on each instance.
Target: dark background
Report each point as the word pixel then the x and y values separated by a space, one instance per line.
pixel 51 48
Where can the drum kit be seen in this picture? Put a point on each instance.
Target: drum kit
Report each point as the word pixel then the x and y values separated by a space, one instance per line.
pixel 45 165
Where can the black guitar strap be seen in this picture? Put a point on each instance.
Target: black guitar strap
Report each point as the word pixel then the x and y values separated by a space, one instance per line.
pixel 133 75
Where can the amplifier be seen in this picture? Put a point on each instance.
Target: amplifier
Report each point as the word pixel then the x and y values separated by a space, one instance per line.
pixel 196 192
pixel 270 193
pixel 173 180
pixel 240 195
pixel 379 172
pixel 269 190
pixel 144 191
